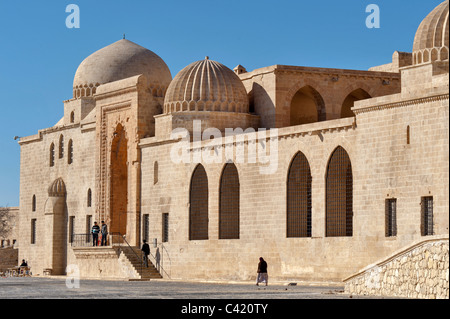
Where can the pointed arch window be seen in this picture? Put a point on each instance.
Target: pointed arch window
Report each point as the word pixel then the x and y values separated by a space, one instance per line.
pixel 89 198
pixel 52 155
pixel 198 208
pixel 70 152
pixel 299 198
pixel 33 203
pixel 339 195
pixel 229 203
pixel 61 146
pixel 155 173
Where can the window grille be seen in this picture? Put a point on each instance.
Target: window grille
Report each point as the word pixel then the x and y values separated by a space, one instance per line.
pixel 198 208
pixel 299 198
pixel 165 227
pixel 71 228
pixel 33 231
pixel 229 203
pixel 339 195
pixel 145 227
pixel 61 146
pixel 70 153
pixel 427 216
pixel 52 155
pixel 391 217
pixel 88 228
pixel 33 203
pixel 89 198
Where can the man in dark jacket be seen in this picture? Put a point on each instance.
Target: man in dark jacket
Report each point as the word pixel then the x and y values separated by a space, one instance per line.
pixel 146 250
pixel 262 272
pixel 95 230
pixel 104 233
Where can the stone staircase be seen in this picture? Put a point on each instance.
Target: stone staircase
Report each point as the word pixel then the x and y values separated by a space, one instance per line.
pixel 145 273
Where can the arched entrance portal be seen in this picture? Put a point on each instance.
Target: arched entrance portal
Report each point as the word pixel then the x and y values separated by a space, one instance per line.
pixel 356 95
pixel 307 106
pixel 119 182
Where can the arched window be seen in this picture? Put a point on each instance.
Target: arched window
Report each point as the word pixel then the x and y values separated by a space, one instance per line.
pixel 155 173
pixel 72 117
pixel 70 152
pixel 198 208
pixel 33 203
pixel 408 135
pixel 61 146
pixel 299 198
pixel 229 203
pixel 89 198
pixel 339 195
pixel 52 155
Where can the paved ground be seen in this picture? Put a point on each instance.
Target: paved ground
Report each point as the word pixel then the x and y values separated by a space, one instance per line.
pixel 62 288
pixel 175 299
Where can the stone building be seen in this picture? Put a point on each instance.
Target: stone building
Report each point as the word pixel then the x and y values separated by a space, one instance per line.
pixel 321 171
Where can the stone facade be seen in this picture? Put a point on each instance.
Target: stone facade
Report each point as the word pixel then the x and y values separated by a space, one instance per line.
pixel 8 226
pixel 421 271
pixel 365 138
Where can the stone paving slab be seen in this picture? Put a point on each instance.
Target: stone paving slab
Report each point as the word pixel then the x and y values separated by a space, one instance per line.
pixel 64 288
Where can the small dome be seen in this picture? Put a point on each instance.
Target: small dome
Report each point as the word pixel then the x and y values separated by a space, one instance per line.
pixel 120 60
pixel 57 188
pixel 206 85
pixel 432 37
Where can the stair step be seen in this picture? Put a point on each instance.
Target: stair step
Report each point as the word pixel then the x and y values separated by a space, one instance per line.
pixel 133 256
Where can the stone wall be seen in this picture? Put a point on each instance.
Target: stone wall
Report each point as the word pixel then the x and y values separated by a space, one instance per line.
pixel 9 257
pixel 420 271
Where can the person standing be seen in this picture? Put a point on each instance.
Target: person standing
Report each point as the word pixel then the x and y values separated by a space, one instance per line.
pixel 95 230
pixel 262 272
pixel 146 250
pixel 104 233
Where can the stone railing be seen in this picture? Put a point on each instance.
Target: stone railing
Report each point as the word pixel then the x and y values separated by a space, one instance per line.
pixel 420 271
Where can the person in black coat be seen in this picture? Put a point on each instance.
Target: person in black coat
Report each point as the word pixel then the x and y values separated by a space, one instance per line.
pixel 262 272
pixel 146 250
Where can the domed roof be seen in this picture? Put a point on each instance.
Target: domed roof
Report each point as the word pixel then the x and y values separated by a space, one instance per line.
pixel 432 37
pixel 57 188
pixel 120 60
pixel 206 85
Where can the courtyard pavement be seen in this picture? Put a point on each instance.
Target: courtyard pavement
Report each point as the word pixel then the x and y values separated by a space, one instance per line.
pixel 63 288
pixel 30 296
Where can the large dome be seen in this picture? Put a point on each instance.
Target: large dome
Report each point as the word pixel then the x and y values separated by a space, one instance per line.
pixel 206 85
pixel 118 61
pixel 432 37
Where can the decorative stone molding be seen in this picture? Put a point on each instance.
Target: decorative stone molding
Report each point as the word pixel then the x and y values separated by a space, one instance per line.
pixel 416 101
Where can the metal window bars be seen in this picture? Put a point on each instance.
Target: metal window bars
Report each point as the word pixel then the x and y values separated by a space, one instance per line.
pixel 339 195
pixel 391 217
pixel 229 209
pixel 299 206
pixel 198 208
pixel 427 216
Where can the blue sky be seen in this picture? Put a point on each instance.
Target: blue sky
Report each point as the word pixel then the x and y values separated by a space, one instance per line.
pixel 39 55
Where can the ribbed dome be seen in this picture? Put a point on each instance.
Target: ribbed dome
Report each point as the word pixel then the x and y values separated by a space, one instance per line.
pixel 206 85
pixel 57 188
pixel 118 61
pixel 432 37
